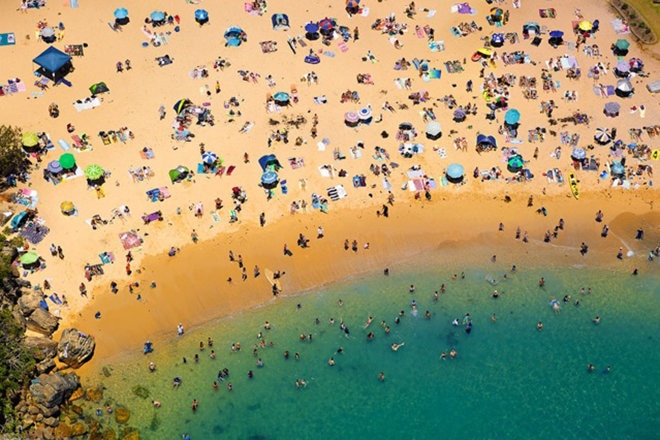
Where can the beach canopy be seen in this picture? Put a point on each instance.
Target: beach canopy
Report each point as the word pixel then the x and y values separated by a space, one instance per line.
pixel 617 168
pixel 512 116
pixel 433 130
pixel 622 44
pixel 94 172
pixel 30 139
pixel 54 167
pixel 29 258
pixel 157 16
pixel 531 26
pixel 612 108
pixel 68 161
pixel 484 141
pixel 209 157
pixel 311 28
pixel 280 22
pixel 53 63
pixel 98 88
pixel 497 39
pixel 281 98
pixel 515 163
pixel 121 13
pixel 602 136
pixel 67 207
pixel 181 105
pixel 579 154
pixel 455 171
pixel 585 25
pixel 556 34
pixel 269 161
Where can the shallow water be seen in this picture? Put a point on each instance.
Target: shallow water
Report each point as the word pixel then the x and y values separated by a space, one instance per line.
pixel 508 378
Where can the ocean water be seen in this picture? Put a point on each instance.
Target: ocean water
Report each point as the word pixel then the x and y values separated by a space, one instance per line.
pixel 508 380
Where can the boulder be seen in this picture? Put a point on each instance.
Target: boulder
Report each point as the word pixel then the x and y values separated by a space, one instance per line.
pixel 51 421
pixel 51 390
pixel 41 321
pixel 41 348
pixel 77 394
pixel 29 302
pixel 94 394
pixel 75 348
pixel 122 414
pixel 46 366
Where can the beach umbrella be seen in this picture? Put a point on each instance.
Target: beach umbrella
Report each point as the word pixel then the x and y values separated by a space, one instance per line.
pixel 311 28
pixel 157 16
pixel 351 119
pixel 578 154
pixel 622 44
pixel 54 167
pixel 209 157
pixel 585 25
pixel 68 161
pixel 433 130
pixel 180 105
pixel 624 88
pixel 269 179
pixel 67 207
pixel 612 109
pixel 603 136
pixel 281 98
pixel 512 116
pixel 47 32
pixel 30 139
pixel 622 69
pixel 497 40
pixel 459 115
pixel 121 13
pixel 455 171
pixel 201 14
pixel 365 115
pixel 617 168
pixel 496 14
pixel 485 52
pixel 636 65
pixel 515 163
pixel 556 34
pixel 352 4
pixel 94 172
pixel 29 258
pixel 326 25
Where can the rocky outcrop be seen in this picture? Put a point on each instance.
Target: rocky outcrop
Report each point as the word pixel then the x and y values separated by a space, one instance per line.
pixel 29 302
pixel 51 390
pixel 41 321
pixel 75 348
pixel 41 348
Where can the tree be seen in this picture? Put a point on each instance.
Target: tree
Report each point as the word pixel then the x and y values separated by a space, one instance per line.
pixel 12 156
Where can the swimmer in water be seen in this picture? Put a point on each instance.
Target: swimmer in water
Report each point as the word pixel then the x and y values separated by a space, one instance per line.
pixel 453 353
pixel 331 362
pixel 381 376
pixel 539 326
pixel 596 320
pixel 395 346
pixel 590 368
pixel 455 322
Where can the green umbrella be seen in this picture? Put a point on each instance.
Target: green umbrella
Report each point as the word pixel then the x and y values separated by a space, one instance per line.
pixel 622 44
pixel 68 161
pixel 28 258
pixel 94 171
pixel 29 139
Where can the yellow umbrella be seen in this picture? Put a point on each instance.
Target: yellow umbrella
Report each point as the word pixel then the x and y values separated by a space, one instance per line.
pixel 484 51
pixel 67 207
pixel 585 25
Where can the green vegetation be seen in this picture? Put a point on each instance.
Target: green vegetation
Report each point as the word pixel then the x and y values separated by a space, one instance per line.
pixel 12 156
pixel 650 12
pixel 17 366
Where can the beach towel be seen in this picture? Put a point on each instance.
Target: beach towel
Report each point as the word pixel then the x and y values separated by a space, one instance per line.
pixel 64 145
pixel 130 239
pixel 420 32
pixel 320 99
pixel 7 39
pixel 547 13
pixel 55 299
pixel 337 192
pixel 437 46
pixel 230 169
pixel 107 257
pixel 329 54
pixel 325 170
pixel 215 216
pixel 342 46
pixel 73 3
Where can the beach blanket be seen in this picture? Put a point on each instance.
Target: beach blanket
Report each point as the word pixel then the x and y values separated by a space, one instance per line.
pixel 268 46
pixel 130 239
pixel 87 103
pixel 619 27
pixel 437 46
pixel 34 232
pixel 7 39
pixel 296 162
pixel 337 192
pixel 75 50
pixel 215 216
pixel 326 170
pixel 107 257
pixel 547 13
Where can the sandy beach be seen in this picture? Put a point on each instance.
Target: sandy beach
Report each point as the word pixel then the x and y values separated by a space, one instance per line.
pixel 192 287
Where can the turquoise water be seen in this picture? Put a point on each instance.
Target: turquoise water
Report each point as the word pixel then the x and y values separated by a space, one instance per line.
pixel 508 379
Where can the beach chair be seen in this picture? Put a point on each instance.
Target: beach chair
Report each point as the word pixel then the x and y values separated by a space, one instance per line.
pixel 77 141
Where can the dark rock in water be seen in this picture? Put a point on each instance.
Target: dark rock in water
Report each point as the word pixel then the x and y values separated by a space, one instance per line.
pixel 129 433
pixel 122 414
pixel 141 391
pixel 41 321
pixel 41 348
pixel 77 410
pixel 51 390
pixel 109 434
pixel 94 394
pixel 65 430
pixel 75 348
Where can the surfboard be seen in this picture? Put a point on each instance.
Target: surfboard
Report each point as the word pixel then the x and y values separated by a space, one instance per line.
pixel 574 187
pixel 270 276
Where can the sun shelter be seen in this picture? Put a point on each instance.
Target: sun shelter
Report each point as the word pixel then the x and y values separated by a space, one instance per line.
pixel 624 88
pixel 515 163
pixel 312 31
pixel 482 53
pixel 269 162
pixel 209 157
pixel 98 88
pixel 602 136
pixel 352 7
pixel 455 173
pixel 54 167
pixel 578 154
pixel 234 36
pixel 30 142
pixel 181 105
pixel 121 16
pixel 269 179
pixel 201 16
pixel 611 109
pixel 622 69
pixel 351 119
pixel 433 130
pixel 620 48
pixel 178 174
pixel 282 98
pixel 485 143
pixel 556 38
pixel 636 65
pixel 67 207
pixel 365 115
pixel 326 27
pixel 48 34
pixel 459 115
pixel 157 18
pixel 68 162
pixel 497 39
pixel 95 175
pixel 30 260
pixel 280 22
pixel 53 64
pixel 531 28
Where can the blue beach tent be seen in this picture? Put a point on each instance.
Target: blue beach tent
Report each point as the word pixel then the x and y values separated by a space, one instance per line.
pixel 53 63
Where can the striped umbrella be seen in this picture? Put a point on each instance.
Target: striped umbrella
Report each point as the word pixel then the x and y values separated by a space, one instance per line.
pixel 209 157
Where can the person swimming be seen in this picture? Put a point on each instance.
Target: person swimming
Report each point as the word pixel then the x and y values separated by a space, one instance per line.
pixel 395 346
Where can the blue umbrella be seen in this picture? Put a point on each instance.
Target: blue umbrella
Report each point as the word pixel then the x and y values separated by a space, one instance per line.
pixel 201 14
pixel 352 3
pixel 269 178
pixel 459 115
pixel 579 154
pixel 498 38
pixel 281 97
pixel 455 171
pixel 311 28
pixel 55 167
pixel 512 116
pixel 121 13
pixel 209 157
pixel 157 16
pixel 618 168
pixel 556 34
